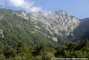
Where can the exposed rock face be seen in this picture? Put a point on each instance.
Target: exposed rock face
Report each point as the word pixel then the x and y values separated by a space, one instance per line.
pixel 1 33
pixel 59 22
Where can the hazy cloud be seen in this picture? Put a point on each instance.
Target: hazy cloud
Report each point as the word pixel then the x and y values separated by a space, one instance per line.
pixel 23 4
pixel 26 5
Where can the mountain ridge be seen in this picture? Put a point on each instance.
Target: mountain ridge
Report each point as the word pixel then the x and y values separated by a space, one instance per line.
pixel 49 28
pixel 59 22
pixel 18 29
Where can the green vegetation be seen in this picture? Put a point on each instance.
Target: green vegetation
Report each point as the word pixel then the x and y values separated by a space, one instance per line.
pixel 78 49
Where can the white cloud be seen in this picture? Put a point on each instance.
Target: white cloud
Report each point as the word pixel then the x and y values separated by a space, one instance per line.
pixel 17 3
pixel 36 9
pixel 23 4
pixel 26 5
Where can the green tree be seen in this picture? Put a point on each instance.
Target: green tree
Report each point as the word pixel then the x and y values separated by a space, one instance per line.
pixel 2 57
pixel 9 52
pixel 83 44
pixel 40 49
pixel 22 49
pixel 80 54
pixel 72 46
pixel 48 56
pixel 59 51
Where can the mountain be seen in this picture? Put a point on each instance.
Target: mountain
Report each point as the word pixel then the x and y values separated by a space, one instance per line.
pixel 82 30
pixel 16 29
pixel 48 28
pixel 51 23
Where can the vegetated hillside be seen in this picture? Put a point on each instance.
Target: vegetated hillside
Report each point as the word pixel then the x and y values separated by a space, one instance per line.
pixel 18 29
pixel 83 30
pixel 78 50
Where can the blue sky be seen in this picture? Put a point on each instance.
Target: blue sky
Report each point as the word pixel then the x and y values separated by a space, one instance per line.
pixel 78 8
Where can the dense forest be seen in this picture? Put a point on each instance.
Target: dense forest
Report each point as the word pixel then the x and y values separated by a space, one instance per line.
pixel 79 49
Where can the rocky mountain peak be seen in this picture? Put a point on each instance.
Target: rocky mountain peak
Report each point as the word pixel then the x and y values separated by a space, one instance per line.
pixel 61 12
pixel 59 22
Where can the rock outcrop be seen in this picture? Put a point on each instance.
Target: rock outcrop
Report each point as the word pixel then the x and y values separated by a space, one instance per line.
pixel 1 33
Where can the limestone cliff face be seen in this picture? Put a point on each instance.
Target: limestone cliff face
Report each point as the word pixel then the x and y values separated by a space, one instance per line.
pixel 1 33
pixel 59 22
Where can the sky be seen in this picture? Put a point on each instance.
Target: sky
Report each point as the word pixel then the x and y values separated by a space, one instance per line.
pixel 77 8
